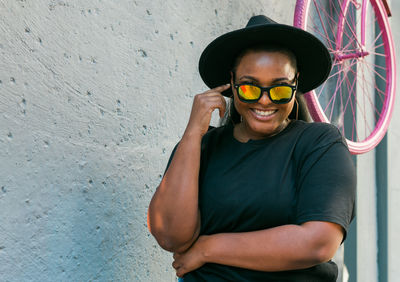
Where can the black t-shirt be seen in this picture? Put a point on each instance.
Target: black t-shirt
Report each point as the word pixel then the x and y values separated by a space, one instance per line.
pixel 304 173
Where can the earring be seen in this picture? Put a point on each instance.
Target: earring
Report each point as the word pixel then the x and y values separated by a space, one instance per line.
pixel 297 108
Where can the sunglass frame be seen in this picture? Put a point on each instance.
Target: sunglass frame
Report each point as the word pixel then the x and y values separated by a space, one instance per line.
pixel 266 89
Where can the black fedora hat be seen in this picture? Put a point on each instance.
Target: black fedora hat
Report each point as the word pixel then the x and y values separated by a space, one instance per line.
pixel 313 59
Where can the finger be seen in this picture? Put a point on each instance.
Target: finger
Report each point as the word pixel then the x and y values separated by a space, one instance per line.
pixel 175 265
pixel 179 273
pixel 222 87
pixel 210 100
pixel 219 103
pixel 219 89
pixel 215 102
pixel 222 109
pixel 177 255
pixel 207 96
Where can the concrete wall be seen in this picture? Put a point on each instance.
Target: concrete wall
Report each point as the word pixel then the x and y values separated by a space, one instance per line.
pixel 93 96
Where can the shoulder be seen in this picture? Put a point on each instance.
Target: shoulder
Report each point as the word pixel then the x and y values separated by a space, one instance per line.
pixel 315 139
pixel 215 139
pixel 317 128
pixel 318 133
pixel 214 133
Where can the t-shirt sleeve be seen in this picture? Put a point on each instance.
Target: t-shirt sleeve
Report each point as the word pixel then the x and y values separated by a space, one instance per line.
pixel 327 180
pixel 170 157
pixel 203 145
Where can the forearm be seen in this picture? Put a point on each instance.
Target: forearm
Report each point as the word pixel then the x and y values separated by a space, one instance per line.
pixel 286 247
pixel 173 214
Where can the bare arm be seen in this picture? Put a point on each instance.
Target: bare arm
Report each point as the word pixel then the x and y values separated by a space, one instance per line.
pixel 173 215
pixel 286 247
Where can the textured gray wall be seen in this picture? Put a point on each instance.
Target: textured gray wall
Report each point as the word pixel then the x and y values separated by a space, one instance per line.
pixel 93 96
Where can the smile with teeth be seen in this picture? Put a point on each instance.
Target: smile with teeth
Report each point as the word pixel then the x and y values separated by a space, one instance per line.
pixel 264 113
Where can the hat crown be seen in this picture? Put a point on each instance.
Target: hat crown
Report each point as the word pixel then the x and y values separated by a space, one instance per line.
pixel 259 20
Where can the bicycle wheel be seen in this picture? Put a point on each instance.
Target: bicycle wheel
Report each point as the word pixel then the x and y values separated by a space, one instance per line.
pixel 358 96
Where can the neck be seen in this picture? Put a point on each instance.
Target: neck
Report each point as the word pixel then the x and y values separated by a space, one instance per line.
pixel 240 132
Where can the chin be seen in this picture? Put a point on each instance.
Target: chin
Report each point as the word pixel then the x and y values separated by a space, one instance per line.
pixel 263 128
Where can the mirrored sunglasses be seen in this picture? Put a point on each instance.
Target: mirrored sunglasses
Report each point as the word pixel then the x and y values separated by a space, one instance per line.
pixel 278 94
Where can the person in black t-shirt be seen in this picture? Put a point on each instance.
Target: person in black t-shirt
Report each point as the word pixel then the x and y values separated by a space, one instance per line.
pixel 266 196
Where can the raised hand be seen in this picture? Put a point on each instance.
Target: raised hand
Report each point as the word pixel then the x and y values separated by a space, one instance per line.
pixel 203 106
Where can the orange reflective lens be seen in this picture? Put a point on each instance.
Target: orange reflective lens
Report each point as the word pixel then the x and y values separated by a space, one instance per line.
pixel 249 92
pixel 280 93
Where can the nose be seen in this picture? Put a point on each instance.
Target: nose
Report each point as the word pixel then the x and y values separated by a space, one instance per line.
pixel 264 100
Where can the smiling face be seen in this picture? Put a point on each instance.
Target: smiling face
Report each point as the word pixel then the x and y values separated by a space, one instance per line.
pixel 263 68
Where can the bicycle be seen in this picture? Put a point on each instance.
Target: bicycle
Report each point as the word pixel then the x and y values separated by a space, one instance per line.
pixel 358 96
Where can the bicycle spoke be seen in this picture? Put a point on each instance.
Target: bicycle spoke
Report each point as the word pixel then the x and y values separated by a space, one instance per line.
pixel 364 90
pixel 374 85
pixel 377 73
pixel 366 95
pixel 367 126
pixel 354 129
pixel 365 87
pixel 336 73
pixel 376 66
pixel 378 46
pixel 330 21
pixel 376 39
pixel 327 40
pixel 350 91
pixel 372 67
pixel 378 54
pixel 334 21
pixel 353 110
pixel 339 81
pixel 322 89
pixel 353 33
pixel 338 86
pixel 347 50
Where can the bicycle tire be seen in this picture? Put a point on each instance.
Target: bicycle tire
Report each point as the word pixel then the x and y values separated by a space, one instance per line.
pixel 353 74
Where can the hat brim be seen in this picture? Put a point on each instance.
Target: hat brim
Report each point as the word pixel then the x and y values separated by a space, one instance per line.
pixel 313 59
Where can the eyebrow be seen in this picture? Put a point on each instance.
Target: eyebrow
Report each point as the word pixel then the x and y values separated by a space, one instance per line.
pixel 279 79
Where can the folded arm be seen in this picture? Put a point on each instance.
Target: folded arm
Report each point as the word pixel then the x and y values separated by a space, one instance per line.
pixel 286 247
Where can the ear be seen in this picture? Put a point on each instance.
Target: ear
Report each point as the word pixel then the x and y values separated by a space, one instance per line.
pixel 297 75
pixel 232 80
